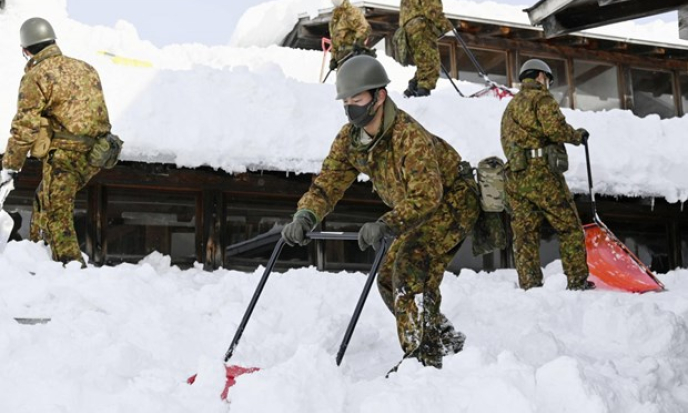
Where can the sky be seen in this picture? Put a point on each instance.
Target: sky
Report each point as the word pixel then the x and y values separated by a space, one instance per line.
pixel 165 22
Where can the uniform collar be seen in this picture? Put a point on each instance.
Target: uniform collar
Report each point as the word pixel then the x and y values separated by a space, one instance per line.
pixel 47 53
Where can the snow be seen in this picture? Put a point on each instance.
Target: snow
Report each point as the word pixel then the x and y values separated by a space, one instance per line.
pixel 126 338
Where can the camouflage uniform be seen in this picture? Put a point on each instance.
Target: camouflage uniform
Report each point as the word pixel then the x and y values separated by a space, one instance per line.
pixel 69 94
pixel 432 209
pixel 348 28
pixel 533 120
pixel 424 22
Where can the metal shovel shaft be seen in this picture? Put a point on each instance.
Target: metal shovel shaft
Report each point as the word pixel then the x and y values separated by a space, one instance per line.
pixel 341 236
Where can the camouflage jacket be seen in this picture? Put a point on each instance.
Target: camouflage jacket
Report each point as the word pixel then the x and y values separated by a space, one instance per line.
pixel 410 169
pixel 431 10
pixel 348 27
pixel 533 120
pixel 68 93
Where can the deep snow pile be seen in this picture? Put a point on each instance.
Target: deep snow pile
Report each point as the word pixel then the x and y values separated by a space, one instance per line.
pixel 125 339
pixel 263 108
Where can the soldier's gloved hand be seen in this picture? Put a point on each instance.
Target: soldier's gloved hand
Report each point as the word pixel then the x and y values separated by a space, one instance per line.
pixel 295 232
pixel 584 135
pixel 372 233
pixel 333 64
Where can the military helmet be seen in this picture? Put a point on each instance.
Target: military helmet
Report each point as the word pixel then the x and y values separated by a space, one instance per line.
pixel 35 30
pixel 535 65
pixel 358 74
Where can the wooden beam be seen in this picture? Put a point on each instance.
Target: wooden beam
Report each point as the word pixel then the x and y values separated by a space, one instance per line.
pixel 589 14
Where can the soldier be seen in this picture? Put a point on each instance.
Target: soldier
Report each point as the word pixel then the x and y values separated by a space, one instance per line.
pixel 424 22
pixel 533 132
pixel 66 95
pixel 349 31
pixel 416 174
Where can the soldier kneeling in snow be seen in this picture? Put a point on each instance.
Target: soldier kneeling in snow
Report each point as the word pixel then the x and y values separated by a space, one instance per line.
pixel 432 208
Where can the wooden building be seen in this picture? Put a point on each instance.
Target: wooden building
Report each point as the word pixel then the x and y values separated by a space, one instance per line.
pixel 232 220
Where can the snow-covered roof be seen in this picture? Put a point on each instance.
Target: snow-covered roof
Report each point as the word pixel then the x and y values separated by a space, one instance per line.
pixel 262 106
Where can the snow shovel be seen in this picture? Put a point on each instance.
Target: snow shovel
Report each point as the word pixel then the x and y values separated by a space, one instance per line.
pixel 6 221
pixel 491 87
pixel 233 371
pixel 611 264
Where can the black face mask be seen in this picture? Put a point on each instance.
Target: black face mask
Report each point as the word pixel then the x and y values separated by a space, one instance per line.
pixel 360 116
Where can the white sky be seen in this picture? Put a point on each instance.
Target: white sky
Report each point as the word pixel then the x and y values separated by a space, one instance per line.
pixel 210 22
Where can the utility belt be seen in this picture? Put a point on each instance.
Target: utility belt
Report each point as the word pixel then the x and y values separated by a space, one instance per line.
pixel 555 155
pixel 65 136
pixel 103 151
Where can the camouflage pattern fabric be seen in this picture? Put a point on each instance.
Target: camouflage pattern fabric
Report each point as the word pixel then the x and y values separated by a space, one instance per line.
pixel 533 120
pixel 424 22
pixel 68 92
pixel 64 174
pixel 348 27
pixel 416 174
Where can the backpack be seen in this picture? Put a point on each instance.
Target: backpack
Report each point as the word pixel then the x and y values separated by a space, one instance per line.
pixel 400 49
pixel 491 179
pixel 105 152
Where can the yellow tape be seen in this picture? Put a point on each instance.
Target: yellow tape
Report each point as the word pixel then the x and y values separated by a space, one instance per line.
pixel 126 61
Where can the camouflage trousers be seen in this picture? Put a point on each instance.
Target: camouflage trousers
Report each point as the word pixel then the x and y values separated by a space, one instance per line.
pixel 422 36
pixel 64 174
pixel 410 277
pixel 536 194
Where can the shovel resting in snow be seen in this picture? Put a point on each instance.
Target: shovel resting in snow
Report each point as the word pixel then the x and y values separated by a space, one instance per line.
pixel 611 264
pixel 233 371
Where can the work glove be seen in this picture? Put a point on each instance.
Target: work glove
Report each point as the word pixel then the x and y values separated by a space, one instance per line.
pixel 372 233
pixel 584 135
pixel 333 64
pixel 295 232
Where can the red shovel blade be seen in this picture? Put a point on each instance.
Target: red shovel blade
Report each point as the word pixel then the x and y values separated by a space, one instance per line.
pixel 232 373
pixel 613 266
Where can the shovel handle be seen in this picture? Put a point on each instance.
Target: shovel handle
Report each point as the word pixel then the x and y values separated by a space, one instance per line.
pixel 341 236
pixel 593 204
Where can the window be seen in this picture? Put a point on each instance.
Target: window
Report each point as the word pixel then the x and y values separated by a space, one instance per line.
pixel 560 86
pixel 141 222
pixel 596 86
pixel 493 62
pixel 652 93
pixel 253 227
pixel 445 60
pixel 346 254
pixel 683 82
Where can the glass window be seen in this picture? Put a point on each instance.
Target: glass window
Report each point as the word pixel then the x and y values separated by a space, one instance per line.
pixel 683 82
pixel 253 227
pixel 140 222
pixel 341 255
pixel 652 93
pixel 445 60
pixel 493 62
pixel 596 86
pixel 560 85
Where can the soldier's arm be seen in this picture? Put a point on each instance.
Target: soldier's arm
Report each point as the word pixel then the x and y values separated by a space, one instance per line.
pixel 423 179
pixel 335 178
pixel 554 123
pixel 26 123
pixel 435 13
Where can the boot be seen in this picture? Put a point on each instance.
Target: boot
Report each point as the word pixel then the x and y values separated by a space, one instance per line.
pixel 581 286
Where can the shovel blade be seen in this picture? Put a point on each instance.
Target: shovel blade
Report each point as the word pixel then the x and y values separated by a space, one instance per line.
pixel 6 225
pixel 232 372
pixel 613 266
